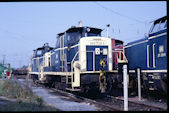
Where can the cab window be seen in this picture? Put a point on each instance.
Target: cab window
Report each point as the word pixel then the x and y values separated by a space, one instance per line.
pixel 155 28
pixel 39 52
pixel 161 26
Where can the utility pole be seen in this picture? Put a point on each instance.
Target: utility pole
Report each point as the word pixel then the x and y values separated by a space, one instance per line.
pixel 3 62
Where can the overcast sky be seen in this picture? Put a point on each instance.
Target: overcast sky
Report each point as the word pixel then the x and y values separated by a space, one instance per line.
pixel 25 26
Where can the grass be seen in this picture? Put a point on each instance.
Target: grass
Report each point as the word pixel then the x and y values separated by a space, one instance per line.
pixel 25 98
pixel 12 89
pixel 24 106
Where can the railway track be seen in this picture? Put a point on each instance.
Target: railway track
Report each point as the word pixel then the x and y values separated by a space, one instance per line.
pixel 102 106
pixel 108 103
pixel 134 106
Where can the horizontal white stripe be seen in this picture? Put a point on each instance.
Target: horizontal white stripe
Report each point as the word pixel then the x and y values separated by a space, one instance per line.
pixel 65 48
pixel 164 71
pixel 157 36
pixel 149 71
pixel 86 72
pixel 36 73
pixel 38 57
pixel 135 43
pixel 158 30
pixel 117 49
pixel 131 71
pixel 53 73
pixel 68 73
pixel 72 89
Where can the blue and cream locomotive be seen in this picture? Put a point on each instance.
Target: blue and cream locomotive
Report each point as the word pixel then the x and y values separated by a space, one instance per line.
pixel 150 55
pixel 81 61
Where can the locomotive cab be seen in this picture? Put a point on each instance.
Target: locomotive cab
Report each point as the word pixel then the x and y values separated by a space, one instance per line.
pixel 38 61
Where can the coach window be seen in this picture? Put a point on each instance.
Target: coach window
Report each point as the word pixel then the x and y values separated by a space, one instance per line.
pixel 156 26
pixel 165 24
pixel 161 25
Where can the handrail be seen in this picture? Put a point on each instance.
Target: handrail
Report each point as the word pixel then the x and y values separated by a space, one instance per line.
pixel 124 57
pixel 41 65
pixel 73 60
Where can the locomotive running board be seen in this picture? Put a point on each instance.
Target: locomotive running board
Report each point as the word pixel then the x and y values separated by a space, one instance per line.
pixel 87 72
pixel 71 73
pixel 150 71
pixel 72 89
pixel 36 73
pixel 53 73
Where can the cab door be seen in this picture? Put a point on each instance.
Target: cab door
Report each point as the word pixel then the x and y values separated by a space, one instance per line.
pixel 151 55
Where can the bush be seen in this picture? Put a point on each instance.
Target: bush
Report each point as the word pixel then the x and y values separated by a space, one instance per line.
pixel 39 100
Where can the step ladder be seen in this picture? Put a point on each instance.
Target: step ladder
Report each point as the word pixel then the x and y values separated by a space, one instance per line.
pixel 69 79
pixel 150 82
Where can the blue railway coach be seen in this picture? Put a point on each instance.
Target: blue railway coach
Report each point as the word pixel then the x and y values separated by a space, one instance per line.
pixel 150 55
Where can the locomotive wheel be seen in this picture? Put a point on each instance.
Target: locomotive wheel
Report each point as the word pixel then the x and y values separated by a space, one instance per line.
pixel 90 90
pixel 86 89
pixel 59 86
pixel 34 78
pixel 109 84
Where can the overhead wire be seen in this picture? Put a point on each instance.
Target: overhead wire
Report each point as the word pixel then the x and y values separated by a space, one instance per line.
pixel 115 12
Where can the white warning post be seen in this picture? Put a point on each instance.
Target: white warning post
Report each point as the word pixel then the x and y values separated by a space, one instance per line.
pixel 125 87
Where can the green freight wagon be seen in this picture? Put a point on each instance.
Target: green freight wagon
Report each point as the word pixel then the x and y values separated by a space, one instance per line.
pixel 1 70
pixel 5 67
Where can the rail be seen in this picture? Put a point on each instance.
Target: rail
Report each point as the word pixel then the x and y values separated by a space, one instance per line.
pixel 137 105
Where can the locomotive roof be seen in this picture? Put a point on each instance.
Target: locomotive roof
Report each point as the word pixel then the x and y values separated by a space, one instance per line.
pixel 40 48
pixel 80 29
pixel 60 34
pixel 162 18
pixel 74 29
pixel 92 29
